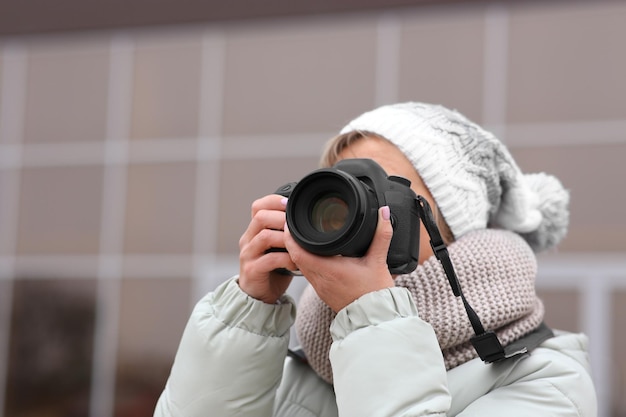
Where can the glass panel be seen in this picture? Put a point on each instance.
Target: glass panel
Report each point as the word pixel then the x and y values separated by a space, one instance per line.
pixel 60 210
pixel 160 208
pixel 8 183
pixel 298 77
pixel 66 98
pixel 562 309
pixel 2 139
pixel 618 362
pixel 166 86
pixel 584 80
pixel 452 73
pixel 153 314
pixel 50 349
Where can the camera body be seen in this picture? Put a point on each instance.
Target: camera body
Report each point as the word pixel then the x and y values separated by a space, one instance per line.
pixel 334 211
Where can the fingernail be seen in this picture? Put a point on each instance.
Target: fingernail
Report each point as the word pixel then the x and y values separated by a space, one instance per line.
pixel 284 201
pixel 386 213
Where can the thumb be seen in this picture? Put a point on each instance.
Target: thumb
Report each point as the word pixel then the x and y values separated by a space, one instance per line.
pixel 382 237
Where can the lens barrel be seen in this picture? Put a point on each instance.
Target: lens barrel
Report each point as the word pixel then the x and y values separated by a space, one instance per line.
pixel 330 212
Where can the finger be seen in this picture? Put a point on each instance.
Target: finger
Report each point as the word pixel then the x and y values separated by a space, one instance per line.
pixel 269 202
pixel 277 260
pixel 382 237
pixel 262 220
pixel 308 263
pixel 266 264
pixel 290 244
pixel 258 257
pixel 293 248
pixel 262 243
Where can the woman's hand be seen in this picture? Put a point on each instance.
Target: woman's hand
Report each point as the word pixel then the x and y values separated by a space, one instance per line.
pixel 257 267
pixel 340 280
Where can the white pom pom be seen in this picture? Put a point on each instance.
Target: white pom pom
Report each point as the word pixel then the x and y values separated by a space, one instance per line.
pixel 553 203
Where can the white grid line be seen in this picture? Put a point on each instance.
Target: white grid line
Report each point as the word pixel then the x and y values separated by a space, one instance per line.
pixel 596 324
pixel 12 102
pixel 208 149
pixel 567 134
pixel 86 267
pixel 274 146
pixel 495 68
pixel 212 82
pixel 387 59
pixel 13 156
pixel 112 229
pixel 62 154
pixel 5 333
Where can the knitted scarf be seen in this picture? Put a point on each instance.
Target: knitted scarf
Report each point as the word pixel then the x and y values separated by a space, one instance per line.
pixel 496 269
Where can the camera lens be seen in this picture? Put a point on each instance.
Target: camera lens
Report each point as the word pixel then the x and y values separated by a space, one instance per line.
pixel 329 213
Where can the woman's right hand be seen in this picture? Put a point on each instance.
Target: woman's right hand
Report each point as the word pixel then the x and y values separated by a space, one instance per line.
pixel 258 275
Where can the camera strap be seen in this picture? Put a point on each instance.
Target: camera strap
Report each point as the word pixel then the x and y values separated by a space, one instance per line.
pixel 485 342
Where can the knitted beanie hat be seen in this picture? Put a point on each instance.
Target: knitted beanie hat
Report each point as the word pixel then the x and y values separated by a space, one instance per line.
pixel 471 174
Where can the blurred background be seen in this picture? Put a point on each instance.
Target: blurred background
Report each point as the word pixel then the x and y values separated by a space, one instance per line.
pixel 134 136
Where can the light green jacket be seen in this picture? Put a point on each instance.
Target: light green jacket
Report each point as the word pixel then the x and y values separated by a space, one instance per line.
pixel 386 362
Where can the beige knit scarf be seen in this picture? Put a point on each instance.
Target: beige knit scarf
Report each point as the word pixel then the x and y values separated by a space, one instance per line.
pixel 496 269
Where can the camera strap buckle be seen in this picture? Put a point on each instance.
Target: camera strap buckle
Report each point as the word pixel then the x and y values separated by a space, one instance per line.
pixel 488 347
pixel 485 342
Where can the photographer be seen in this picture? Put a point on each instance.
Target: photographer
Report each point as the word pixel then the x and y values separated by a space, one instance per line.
pixel 379 343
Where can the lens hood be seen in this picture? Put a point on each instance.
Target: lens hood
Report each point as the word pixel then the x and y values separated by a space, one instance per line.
pixel 331 212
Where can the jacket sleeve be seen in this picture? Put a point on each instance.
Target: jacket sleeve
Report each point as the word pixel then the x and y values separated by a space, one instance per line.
pixel 230 358
pixel 555 380
pixel 385 358
pixel 387 362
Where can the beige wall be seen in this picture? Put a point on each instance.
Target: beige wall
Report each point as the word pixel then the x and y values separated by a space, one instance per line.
pixel 130 158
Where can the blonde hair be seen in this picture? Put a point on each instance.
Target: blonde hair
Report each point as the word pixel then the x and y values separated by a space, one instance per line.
pixel 336 145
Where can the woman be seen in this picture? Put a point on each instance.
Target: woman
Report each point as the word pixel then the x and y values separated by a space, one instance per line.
pixel 383 345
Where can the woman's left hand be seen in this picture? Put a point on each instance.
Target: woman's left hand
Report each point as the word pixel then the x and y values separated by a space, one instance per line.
pixel 340 280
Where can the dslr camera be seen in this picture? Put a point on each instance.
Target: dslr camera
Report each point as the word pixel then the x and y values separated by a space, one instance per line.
pixel 334 211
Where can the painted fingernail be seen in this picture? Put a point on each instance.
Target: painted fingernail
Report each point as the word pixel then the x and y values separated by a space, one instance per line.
pixel 386 213
pixel 284 201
